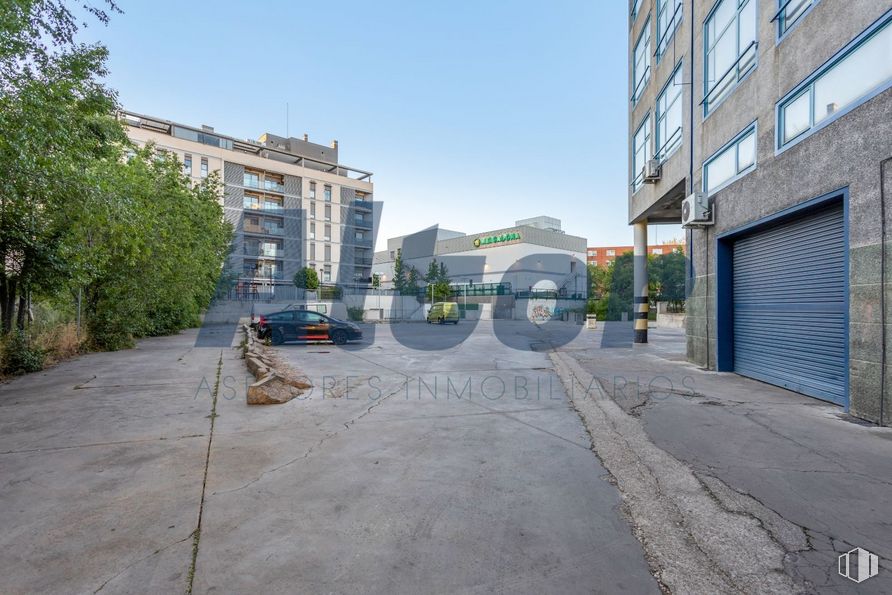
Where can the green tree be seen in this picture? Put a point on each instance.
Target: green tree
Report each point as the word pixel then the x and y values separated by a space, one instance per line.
pixel 307 278
pixel 399 272
pixel 410 287
pixel 376 281
pixel 669 273
pixel 443 274
pixel 433 272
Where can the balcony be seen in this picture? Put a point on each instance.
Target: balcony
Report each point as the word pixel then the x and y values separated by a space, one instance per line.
pixel 273 186
pixel 365 243
pixel 263 274
pixel 269 230
pixel 363 204
pixel 267 207
pixel 362 222
pixel 363 261
pixel 264 252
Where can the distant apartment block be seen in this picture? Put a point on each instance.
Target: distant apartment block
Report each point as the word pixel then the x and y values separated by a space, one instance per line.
pixel 290 201
pixel 602 256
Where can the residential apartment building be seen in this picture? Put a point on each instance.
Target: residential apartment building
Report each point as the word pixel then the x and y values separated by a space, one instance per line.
pixel 290 201
pixel 780 113
pixel 602 256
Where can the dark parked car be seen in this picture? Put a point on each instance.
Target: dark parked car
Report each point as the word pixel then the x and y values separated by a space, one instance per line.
pixel 305 325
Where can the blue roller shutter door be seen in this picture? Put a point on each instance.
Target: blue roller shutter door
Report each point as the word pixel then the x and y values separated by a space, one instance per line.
pixel 790 305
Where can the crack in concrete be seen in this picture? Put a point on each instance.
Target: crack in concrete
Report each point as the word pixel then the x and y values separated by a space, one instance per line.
pixel 309 451
pixel 678 522
pixel 143 559
pixel 196 535
pixel 95 444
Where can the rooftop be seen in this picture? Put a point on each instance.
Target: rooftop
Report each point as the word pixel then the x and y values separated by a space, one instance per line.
pixel 270 146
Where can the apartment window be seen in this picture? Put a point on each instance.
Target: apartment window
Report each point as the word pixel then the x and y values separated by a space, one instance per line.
pixel 326 273
pixel 731 162
pixel 251 179
pixel 328 212
pixel 327 236
pixel 313 190
pixel 657 251
pixel 730 34
pixel 326 193
pixel 789 13
pixel 668 18
pixel 593 253
pixel 204 167
pixel 360 235
pixel 327 252
pixel 312 210
pixel 312 231
pixel 641 153
pixel 187 165
pixel 636 8
pixel 611 253
pixel 668 116
pixel 641 65
pixel 858 72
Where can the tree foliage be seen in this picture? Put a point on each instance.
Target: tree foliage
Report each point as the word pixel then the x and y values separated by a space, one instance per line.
pixel 133 237
pixel 307 278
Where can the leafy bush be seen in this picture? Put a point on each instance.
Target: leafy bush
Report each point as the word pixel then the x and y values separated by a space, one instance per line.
pixel 19 356
pixel 355 313
pixel 307 278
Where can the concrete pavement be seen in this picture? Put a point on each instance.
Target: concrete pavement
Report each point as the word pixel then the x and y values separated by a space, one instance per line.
pixel 404 471
pixel 819 481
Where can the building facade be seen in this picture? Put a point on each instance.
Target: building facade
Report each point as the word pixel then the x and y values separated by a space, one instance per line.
pixel 519 258
pixel 780 112
pixel 602 256
pixel 290 202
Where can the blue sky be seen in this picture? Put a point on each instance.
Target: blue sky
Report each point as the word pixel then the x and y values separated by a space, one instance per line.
pixel 470 114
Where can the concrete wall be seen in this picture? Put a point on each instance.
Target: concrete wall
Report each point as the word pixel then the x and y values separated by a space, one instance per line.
pixel 845 154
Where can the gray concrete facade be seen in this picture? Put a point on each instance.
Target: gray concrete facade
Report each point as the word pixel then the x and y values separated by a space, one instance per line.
pixel 843 156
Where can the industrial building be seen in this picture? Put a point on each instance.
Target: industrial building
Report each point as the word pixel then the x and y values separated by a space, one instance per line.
pixel 534 254
pixel 290 201
pixel 765 126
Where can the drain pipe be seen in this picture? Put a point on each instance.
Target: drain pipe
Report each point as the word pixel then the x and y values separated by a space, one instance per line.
pixel 883 285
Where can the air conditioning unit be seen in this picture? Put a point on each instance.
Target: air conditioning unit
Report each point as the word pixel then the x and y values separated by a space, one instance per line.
pixel 652 171
pixel 695 211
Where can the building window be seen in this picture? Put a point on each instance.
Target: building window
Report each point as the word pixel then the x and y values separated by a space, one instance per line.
pixel 327 236
pixel 326 273
pixel 730 34
pixel 611 253
pixel 858 72
pixel 187 165
pixel 668 18
pixel 326 193
pixel 731 162
pixel 657 251
pixel 641 64
pixel 312 251
pixel 640 153
pixel 312 231
pixel 312 189
pixel 636 8
pixel 790 12
pixel 327 252
pixel 312 210
pixel 204 167
pixel 251 179
pixel 668 116
pixel 328 212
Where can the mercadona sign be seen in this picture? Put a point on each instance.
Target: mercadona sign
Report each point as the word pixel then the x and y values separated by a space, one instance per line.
pixel 490 240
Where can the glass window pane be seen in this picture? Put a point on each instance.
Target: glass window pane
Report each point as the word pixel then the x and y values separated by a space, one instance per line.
pixel 720 170
pixel 721 18
pixel 747 25
pixel 792 12
pixel 796 117
pixel 746 152
pixel 869 66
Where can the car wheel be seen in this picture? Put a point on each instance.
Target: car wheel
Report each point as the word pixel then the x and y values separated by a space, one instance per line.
pixel 276 336
pixel 339 337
